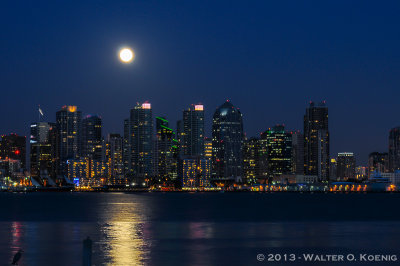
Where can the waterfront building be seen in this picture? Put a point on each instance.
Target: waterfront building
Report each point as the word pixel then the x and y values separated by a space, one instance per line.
pixel 394 149
pixel 378 161
pixel 279 148
pixel 251 160
pixel 345 166
pixel 297 153
pixel 361 173
pixel 166 159
pixel 196 172
pixel 69 127
pixel 92 142
pixel 114 160
pixel 192 135
pixel 141 143
pixel 227 143
pixel 42 152
pixel 13 147
pixel 316 141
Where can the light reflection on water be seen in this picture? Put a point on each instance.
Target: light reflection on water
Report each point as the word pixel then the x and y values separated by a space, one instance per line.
pixel 140 230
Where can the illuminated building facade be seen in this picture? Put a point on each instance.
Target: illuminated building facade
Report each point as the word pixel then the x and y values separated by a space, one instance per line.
pixel 42 151
pixel 89 172
pixel 196 172
pixel 114 160
pixel 361 173
pixel 208 148
pixel 166 152
pixel 227 143
pixel 141 143
pixel 378 161
pixel 316 141
pixel 13 147
pixel 345 166
pixel 279 148
pixel 193 131
pixel 251 160
pixel 92 142
pixel 69 126
pixel 394 149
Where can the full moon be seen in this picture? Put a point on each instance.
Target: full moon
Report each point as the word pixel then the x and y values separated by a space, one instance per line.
pixel 126 55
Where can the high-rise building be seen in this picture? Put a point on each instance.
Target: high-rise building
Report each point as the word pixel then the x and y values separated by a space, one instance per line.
pixel 13 147
pixel 69 126
pixel 193 131
pixel 141 123
pixel 394 149
pixel 345 166
pixel 227 143
pixel 298 153
pixel 92 142
pixel 42 150
pixel 316 141
pixel 378 161
pixel 127 149
pixel 166 155
pixel 114 160
pixel 251 160
pixel 279 148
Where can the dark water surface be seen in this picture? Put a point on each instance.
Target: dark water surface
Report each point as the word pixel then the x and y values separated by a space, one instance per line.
pixel 194 229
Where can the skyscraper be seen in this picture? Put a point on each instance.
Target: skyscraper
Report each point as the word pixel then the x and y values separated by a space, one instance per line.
pixel 345 166
pixel 166 152
pixel 141 123
pixel 227 143
pixel 42 150
pixel 298 153
pixel 13 147
pixel 279 147
pixel 316 141
pixel 193 131
pixel 251 160
pixel 394 149
pixel 69 125
pixel 114 160
pixel 92 137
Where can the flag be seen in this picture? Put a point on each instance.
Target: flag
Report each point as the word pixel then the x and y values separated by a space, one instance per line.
pixel 40 111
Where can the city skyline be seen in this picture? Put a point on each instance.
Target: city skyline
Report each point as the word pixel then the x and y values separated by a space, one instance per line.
pixel 43 115
pixel 269 63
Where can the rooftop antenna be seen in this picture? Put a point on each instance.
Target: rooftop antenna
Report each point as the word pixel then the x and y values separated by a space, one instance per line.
pixel 40 113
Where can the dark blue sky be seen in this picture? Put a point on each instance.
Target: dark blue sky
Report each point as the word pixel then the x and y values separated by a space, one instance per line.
pixel 270 59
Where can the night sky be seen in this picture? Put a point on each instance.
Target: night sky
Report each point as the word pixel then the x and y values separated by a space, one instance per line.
pixel 269 59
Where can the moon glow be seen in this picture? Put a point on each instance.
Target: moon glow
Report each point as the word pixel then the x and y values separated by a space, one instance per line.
pixel 126 55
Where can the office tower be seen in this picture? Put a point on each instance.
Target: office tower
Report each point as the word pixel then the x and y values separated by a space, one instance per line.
pixel 316 141
pixel 298 153
pixel 208 148
pixel 13 147
pixel 166 152
pixel 279 148
pixel 394 149
pixel 92 137
pixel 227 142
pixel 141 123
pixel 378 161
pixel 193 131
pixel 345 166
pixel 42 150
pixel 196 172
pixel 127 149
pixel 114 160
pixel 332 170
pixel 251 160
pixel 69 125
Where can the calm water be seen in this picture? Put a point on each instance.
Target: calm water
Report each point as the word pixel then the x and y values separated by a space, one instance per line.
pixel 193 229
